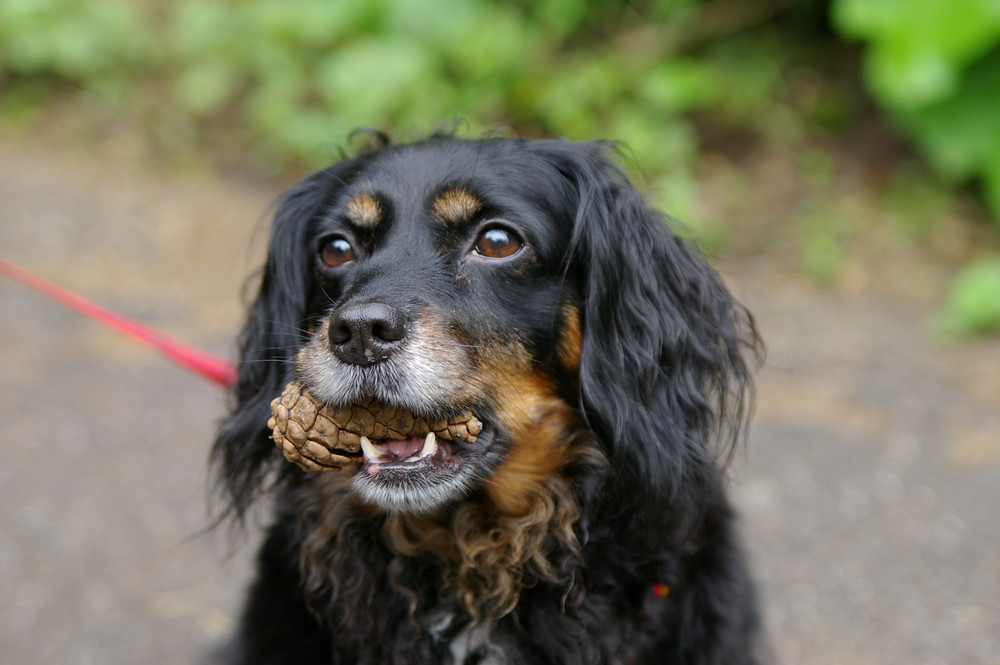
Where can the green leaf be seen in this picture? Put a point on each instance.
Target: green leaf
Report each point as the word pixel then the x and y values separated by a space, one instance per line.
pixel 961 134
pixel 917 48
pixel 974 304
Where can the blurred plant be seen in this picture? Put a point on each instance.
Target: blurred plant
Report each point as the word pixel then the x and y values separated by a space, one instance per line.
pixel 974 304
pixel 278 78
pixel 935 66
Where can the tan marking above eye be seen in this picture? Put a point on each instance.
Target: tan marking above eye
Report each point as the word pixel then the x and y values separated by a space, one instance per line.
pixel 364 210
pixel 456 205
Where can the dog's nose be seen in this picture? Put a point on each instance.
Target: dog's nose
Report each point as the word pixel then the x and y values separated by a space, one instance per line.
pixel 366 333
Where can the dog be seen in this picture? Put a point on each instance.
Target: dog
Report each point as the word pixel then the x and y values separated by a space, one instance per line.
pixel 528 282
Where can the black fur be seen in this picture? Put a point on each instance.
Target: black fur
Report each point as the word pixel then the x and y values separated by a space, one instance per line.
pixel 661 392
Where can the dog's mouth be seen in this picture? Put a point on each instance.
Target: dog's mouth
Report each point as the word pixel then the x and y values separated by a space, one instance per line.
pixel 412 454
pixel 402 461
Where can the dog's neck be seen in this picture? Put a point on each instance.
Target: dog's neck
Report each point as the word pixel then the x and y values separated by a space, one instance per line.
pixel 488 557
pixel 484 553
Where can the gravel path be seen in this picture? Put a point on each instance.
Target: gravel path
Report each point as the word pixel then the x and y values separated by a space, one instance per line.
pixel 869 487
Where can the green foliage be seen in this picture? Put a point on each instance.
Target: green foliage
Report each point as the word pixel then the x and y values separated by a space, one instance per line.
pixel 292 78
pixel 57 38
pixel 935 65
pixel 974 304
pixel 918 51
pixel 961 133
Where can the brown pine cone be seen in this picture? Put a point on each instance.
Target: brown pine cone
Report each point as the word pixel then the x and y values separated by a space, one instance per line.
pixel 319 437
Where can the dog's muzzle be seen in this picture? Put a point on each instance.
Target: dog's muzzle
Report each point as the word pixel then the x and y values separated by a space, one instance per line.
pixel 390 400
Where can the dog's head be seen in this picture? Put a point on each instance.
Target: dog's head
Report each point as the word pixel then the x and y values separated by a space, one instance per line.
pixel 525 282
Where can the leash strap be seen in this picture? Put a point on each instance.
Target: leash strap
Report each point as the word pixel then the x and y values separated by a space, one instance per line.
pixel 214 368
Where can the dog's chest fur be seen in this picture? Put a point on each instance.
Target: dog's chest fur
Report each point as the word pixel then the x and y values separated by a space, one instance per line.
pixel 469 645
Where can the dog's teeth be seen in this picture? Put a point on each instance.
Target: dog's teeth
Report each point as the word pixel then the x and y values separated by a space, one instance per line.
pixel 368 448
pixel 430 446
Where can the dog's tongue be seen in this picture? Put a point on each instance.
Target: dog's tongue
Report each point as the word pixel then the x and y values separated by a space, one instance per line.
pixel 401 449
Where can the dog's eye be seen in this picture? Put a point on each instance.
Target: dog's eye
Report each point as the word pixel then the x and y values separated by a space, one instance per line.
pixel 336 252
pixel 498 242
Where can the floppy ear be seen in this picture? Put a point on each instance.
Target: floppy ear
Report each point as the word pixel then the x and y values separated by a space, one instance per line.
pixel 274 331
pixel 663 372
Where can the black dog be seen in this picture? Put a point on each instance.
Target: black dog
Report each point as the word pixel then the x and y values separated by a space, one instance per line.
pixel 529 283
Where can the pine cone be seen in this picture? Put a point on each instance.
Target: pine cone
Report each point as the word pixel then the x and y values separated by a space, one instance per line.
pixel 319 437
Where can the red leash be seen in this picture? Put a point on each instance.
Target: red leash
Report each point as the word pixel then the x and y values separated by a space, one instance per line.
pixel 209 366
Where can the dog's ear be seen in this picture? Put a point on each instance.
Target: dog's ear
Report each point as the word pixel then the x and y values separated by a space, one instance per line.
pixel 663 367
pixel 274 331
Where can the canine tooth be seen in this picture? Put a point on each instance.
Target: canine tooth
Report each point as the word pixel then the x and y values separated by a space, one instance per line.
pixel 430 446
pixel 371 453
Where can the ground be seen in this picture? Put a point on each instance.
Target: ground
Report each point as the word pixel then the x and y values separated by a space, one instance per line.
pixel 869 486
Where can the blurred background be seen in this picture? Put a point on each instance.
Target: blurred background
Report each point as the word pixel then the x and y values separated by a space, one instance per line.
pixel 838 161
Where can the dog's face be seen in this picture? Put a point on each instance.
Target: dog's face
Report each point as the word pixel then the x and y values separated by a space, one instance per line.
pixel 439 289
pixel 526 282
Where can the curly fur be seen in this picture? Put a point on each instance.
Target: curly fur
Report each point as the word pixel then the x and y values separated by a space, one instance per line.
pixel 612 364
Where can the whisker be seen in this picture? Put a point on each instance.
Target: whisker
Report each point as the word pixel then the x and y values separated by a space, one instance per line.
pixel 328 296
pixel 290 326
pixel 291 350
pixel 278 361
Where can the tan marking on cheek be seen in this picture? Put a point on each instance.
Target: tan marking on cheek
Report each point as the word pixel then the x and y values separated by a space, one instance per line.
pixel 571 339
pixel 539 424
pixel 364 210
pixel 533 459
pixel 456 205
